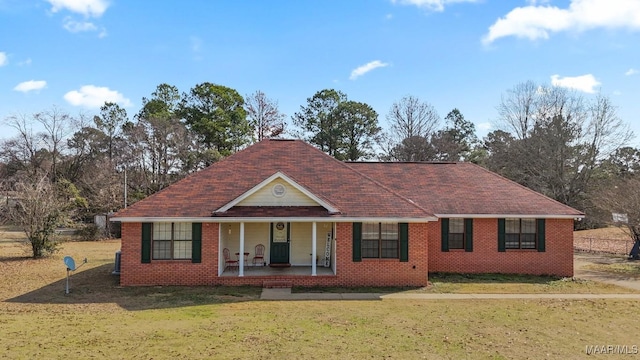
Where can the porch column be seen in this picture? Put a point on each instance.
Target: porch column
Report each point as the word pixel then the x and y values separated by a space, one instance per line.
pixel 313 248
pixel 241 251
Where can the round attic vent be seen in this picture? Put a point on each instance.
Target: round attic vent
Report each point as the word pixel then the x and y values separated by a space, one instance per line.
pixel 278 190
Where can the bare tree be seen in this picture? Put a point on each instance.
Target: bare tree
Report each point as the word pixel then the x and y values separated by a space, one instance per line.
pixel 264 116
pixel 58 126
pixel 560 140
pixel 413 123
pixel 37 211
pixel 411 117
pixel 605 132
pixel 22 152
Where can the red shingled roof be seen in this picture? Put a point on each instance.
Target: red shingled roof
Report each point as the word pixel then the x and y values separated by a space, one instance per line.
pixel 462 188
pixel 202 193
pixel 371 190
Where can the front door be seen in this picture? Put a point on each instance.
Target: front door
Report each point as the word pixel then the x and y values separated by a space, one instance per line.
pixel 280 239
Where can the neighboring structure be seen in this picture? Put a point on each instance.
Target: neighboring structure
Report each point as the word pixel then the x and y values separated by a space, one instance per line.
pixel 341 224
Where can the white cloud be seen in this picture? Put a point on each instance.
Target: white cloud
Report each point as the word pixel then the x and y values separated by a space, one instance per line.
pixel 585 83
pixel 4 60
pixel 537 21
pixel 26 62
pixel 363 69
pixel 485 126
pixel 631 72
pixel 88 8
pixel 91 96
pixel 432 5
pixel 75 26
pixel 31 85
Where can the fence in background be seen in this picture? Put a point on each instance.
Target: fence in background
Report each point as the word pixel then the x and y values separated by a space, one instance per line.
pixel 602 245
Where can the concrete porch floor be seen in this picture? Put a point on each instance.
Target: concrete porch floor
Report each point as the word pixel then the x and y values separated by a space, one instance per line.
pixel 284 271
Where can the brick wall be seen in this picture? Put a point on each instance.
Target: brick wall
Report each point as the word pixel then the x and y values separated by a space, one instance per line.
pixel 425 256
pixel 383 272
pixel 368 272
pixel 485 258
pixel 167 272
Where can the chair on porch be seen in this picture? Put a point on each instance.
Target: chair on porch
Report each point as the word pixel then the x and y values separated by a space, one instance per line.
pixel 258 257
pixel 228 262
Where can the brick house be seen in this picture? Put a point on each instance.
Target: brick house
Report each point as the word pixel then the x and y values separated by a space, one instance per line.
pixel 332 223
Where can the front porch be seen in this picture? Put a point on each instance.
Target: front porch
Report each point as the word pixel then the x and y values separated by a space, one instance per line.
pixel 291 248
pixel 267 271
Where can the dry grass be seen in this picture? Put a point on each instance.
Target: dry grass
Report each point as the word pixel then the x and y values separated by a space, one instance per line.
pixel 612 240
pixel 99 319
pixel 629 268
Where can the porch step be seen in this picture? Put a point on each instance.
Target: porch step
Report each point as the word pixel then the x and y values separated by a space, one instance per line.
pixel 277 284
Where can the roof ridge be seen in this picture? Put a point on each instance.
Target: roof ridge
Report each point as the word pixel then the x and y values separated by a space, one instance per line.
pixel 375 182
pixel 522 186
pixel 379 184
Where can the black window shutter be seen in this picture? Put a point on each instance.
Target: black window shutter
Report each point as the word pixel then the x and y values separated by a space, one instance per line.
pixel 196 243
pixel 444 237
pixel 501 235
pixel 146 242
pixel 541 235
pixel 357 237
pixel 404 241
pixel 468 235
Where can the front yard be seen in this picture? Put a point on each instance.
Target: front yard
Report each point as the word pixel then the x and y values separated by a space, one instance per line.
pixel 100 319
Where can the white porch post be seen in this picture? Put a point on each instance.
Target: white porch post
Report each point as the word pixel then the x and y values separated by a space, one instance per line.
pixel 241 251
pixel 314 232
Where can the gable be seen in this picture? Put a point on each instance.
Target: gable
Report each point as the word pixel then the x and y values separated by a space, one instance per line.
pixel 278 193
pixel 278 190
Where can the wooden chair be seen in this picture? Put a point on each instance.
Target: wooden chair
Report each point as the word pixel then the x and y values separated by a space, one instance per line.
pixel 258 257
pixel 228 262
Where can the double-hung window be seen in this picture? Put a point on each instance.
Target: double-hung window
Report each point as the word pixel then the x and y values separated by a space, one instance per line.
pixel 520 233
pixel 172 241
pixel 380 240
pixel 456 233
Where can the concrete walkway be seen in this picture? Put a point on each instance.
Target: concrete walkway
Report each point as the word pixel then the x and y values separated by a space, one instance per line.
pixel 581 260
pixel 285 294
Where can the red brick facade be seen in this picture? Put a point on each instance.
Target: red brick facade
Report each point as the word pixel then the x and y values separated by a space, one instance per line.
pixel 425 256
pixel 485 258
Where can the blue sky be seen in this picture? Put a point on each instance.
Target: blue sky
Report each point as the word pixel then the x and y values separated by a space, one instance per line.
pixel 77 54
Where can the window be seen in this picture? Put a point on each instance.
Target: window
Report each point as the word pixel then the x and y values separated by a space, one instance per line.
pixel 520 233
pixel 380 240
pixel 172 241
pixel 456 233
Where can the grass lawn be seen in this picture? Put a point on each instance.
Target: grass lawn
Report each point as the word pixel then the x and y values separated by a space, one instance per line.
pixel 489 284
pixel 630 268
pixel 99 319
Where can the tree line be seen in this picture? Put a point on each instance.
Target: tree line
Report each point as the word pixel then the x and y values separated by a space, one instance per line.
pixel 549 139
